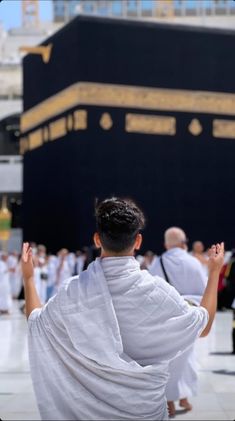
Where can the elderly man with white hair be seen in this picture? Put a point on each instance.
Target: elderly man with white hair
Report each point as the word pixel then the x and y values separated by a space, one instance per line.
pixel 185 273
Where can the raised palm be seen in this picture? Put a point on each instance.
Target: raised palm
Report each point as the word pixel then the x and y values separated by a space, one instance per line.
pixel 27 262
pixel 216 257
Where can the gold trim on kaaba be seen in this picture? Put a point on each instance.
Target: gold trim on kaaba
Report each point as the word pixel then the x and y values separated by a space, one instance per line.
pixel 195 127
pixel 224 128
pixel 58 128
pixel 43 50
pixel 24 145
pixel 35 139
pixel 151 124
pixel 106 121
pixel 80 120
pixel 144 98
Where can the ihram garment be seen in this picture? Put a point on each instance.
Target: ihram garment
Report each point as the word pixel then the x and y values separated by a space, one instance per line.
pixel 99 350
pixel 63 272
pixel 185 273
pixel 14 278
pixel 5 289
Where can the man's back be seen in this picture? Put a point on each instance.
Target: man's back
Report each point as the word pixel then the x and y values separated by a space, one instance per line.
pixel 143 305
pixel 183 270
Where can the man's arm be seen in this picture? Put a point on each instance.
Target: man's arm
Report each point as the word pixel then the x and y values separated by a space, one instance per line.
pixel 32 300
pixel 209 299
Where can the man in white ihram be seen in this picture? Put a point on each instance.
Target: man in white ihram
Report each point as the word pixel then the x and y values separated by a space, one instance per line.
pixel 185 273
pixel 100 348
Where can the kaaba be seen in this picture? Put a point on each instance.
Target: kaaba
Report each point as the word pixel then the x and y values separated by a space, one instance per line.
pixel 132 109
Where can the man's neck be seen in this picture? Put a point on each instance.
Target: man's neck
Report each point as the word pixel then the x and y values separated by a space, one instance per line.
pixel 105 253
pixel 176 247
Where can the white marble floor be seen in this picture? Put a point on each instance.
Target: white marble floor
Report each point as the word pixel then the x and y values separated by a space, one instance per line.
pixel 17 400
pixel 215 400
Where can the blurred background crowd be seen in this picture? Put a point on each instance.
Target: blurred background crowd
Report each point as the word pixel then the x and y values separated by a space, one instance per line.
pixel 52 271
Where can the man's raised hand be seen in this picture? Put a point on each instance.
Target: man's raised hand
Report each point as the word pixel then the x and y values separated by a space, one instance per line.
pixel 27 262
pixel 216 257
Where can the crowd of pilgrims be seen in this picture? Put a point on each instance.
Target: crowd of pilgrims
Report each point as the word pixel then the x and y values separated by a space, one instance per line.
pixel 52 271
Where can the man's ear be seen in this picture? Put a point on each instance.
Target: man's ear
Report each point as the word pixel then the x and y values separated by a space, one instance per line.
pixel 97 241
pixel 138 241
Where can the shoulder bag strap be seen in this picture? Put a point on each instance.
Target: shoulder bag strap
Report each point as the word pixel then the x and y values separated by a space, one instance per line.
pixel 164 270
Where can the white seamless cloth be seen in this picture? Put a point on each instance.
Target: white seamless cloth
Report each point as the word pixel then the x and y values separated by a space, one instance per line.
pixel 78 366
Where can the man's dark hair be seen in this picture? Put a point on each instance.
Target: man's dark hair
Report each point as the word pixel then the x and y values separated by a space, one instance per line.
pixel 118 222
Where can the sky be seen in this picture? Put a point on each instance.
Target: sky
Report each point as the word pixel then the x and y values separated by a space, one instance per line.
pixel 10 12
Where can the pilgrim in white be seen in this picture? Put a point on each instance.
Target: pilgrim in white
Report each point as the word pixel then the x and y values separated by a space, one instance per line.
pixel 101 347
pixel 5 288
pixel 186 274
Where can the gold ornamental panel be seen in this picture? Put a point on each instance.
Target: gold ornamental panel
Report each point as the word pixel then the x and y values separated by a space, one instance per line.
pixel 195 127
pixel 58 128
pixel 35 139
pixel 139 123
pixel 106 121
pixel 80 120
pixel 224 128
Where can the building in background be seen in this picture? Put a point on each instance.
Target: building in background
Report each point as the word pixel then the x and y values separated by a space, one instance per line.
pixel 63 11
pixel 212 13
pixel 31 33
